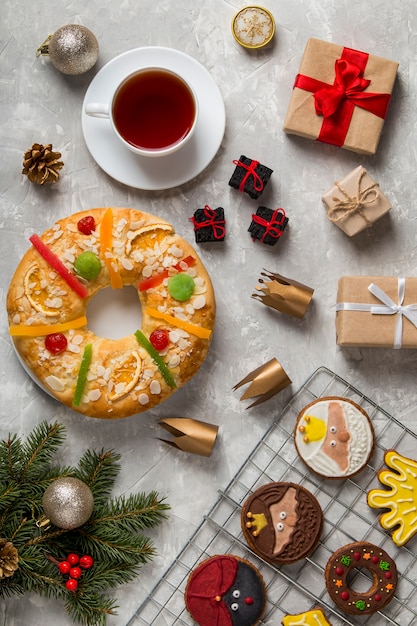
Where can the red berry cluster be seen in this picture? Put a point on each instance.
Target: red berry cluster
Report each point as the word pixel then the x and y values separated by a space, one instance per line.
pixel 73 566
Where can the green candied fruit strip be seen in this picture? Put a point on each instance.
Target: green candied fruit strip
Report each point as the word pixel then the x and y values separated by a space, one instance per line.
pixel 82 373
pixel 145 343
pixel 87 265
pixel 181 287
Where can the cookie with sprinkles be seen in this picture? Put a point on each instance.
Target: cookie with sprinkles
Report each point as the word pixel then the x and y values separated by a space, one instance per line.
pixel 339 574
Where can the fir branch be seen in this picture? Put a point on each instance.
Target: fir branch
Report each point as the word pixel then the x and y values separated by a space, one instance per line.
pixel 99 471
pixel 91 609
pixel 11 458
pixel 115 546
pixel 134 513
pixel 40 446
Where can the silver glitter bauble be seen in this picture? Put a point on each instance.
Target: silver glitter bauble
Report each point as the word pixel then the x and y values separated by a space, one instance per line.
pixel 68 503
pixel 73 49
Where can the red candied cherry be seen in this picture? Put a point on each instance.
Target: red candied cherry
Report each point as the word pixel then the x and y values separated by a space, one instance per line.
pixel 75 572
pixel 73 558
pixel 64 567
pixel 86 225
pixel 71 584
pixel 55 343
pixel 159 339
pixel 86 561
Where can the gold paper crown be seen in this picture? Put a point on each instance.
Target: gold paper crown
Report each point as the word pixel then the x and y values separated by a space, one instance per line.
pixel 257 521
pixel 283 294
pixel 267 380
pixel 190 435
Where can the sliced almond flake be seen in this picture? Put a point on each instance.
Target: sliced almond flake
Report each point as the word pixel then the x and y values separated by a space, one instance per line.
pixel 91 375
pixel 128 265
pixel 192 272
pixel 77 339
pixel 155 387
pixel 147 271
pixel 53 303
pixel 119 388
pixel 30 321
pixel 181 316
pixel 174 336
pixel 55 383
pixel 182 332
pixel 135 224
pixel 174 360
pixel 143 398
pixel 190 309
pixel 148 373
pixel 73 348
pixel 19 292
pixel 108 254
pixel 52 275
pixel 56 226
pixel 162 308
pixel 16 318
pixel 178 309
pixel 58 234
pixel 176 251
pixel 94 395
pixel 72 228
pixel 61 292
pixel 199 289
pixel 183 344
pixel 199 302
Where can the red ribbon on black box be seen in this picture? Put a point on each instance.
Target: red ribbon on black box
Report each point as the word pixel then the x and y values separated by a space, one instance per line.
pixel 337 102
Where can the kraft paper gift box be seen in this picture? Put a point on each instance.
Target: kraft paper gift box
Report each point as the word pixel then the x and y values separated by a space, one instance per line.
pixel 341 96
pixel 376 311
pixel 356 202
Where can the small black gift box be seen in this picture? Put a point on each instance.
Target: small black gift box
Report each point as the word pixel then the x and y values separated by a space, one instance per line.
pixel 209 224
pixel 250 176
pixel 267 225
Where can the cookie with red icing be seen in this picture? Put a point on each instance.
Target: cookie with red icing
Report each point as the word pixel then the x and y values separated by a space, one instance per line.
pixel 225 590
pixel 334 437
pixel 339 573
pixel 282 522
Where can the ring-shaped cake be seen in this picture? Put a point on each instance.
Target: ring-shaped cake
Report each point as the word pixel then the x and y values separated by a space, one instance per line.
pixel 66 267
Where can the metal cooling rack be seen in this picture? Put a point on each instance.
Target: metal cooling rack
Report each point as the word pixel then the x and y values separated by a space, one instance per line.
pixel 295 588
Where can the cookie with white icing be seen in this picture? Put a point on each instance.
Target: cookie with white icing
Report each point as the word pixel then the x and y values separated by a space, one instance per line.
pixel 334 437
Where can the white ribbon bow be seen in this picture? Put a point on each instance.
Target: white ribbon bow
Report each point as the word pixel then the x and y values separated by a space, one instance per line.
pixel 388 307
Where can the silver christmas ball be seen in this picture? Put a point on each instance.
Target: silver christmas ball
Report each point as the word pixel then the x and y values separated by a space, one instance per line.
pixel 68 503
pixel 73 49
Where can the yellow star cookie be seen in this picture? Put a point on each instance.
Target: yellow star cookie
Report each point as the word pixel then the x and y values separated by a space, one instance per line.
pixel 400 499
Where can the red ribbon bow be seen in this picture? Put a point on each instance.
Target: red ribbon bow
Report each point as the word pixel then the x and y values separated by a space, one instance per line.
pixel 219 230
pixel 258 184
pixel 271 226
pixel 337 102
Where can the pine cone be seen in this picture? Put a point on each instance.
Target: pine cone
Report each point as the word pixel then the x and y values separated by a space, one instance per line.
pixel 9 559
pixel 41 165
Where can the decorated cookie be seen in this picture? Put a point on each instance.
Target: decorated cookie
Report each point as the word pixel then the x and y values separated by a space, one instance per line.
pixel 225 590
pixel 282 522
pixel 400 499
pixel 315 617
pixel 361 555
pixel 334 437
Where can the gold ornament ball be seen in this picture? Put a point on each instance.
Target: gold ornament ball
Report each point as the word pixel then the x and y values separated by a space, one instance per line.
pixel 72 49
pixel 68 503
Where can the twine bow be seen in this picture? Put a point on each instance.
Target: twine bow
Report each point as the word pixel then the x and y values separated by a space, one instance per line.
pixel 219 230
pixel 271 226
pixel 258 184
pixel 354 204
pixel 388 307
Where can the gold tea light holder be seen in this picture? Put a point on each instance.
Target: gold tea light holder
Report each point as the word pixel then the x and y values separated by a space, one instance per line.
pixel 190 435
pixel 283 294
pixel 253 27
pixel 266 381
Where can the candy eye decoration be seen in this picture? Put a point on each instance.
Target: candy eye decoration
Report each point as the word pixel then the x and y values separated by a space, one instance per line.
pixel 333 443
pixel 333 429
pixel 234 606
pixel 280 526
pixel 282 515
pixel 236 593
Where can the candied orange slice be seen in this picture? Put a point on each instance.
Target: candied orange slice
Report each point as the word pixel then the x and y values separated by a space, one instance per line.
pixel 146 236
pixel 125 374
pixel 37 291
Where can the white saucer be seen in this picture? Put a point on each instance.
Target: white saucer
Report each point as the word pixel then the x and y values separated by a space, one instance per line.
pixel 155 173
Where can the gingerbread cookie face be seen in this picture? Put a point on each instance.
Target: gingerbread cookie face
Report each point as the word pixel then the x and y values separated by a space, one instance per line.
pixel 363 555
pixel 225 590
pixel 282 522
pixel 334 437
pixel 399 500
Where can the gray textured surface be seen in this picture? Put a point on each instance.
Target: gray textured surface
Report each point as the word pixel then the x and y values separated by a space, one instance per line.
pixel 38 104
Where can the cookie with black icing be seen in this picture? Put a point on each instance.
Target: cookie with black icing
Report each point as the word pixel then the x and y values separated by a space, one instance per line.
pixel 282 522
pixel 225 590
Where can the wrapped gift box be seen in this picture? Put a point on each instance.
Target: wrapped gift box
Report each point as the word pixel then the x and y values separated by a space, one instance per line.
pixel 367 312
pixel 356 202
pixel 267 225
pixel 341 96
pixel 209 224
pixel 250 176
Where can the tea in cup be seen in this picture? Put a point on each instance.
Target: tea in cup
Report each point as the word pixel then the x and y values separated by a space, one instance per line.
pixel 153 111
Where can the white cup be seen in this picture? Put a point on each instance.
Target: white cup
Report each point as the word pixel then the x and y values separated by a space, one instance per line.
pixel 153 111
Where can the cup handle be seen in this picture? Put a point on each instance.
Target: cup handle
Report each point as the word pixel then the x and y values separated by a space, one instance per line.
pixel 97 109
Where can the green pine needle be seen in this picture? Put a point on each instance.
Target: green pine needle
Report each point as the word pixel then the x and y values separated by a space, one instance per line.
pixel 113 535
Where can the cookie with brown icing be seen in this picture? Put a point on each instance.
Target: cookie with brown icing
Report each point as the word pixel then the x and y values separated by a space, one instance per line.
pixel 282 522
